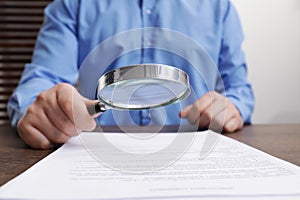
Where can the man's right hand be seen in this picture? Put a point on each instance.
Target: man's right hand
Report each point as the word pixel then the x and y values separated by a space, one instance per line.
pixel 56 115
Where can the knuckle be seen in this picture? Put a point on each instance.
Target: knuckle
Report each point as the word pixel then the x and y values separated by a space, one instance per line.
pixel 20 124
pixel 61 87
pixel 42 97
pixel 233 113
pixel 30 111
pixel 32 115
pixel 214 94
pixel 23 128
pixel 64 93
pixel 229 113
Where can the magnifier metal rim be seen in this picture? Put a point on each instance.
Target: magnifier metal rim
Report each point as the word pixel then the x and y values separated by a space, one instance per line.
pixel 143 71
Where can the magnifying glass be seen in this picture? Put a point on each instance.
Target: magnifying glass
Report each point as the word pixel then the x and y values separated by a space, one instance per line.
pixel 141 86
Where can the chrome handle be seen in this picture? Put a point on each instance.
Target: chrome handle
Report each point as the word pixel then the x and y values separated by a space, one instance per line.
pixel 96 108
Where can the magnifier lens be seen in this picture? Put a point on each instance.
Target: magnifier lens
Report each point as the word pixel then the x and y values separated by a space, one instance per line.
pixel 142 93
pixel 141 87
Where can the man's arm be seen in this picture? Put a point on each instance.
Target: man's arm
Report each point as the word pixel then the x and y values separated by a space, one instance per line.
pixel 45 107
pixel 54 59
pixel 231 105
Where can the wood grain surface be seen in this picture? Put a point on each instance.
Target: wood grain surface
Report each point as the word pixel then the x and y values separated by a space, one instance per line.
pixel 282 141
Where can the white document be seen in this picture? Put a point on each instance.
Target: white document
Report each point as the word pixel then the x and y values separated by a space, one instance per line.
pixel 87 167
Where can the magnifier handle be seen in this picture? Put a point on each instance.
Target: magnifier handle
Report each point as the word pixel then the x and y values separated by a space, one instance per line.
pixel 96 108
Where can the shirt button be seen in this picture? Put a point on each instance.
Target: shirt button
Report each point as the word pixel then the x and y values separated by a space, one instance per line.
pixel 145 117
pixel 148 11
pixel 145 121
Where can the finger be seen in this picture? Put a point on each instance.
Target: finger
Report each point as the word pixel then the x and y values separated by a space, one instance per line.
pixel 61 121
pixel 202 103
pixel 184 113
pixel 203 110
pixel 92 103
pixel 64 97
pixel 193 112
pixel 205 101
pixel 217 121
pixel 212 114
pixel 48 104
pixel 224 119
pixel 73 105
pixel 233 124
pixel 47 128
pixel 89 102
pixel 205 118
pixel 234 119
pixel 33 137
pixel 206 108
pixel 209 98
pixel 83 119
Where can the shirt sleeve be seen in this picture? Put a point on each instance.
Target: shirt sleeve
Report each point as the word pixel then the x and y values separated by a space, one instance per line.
pixel 54 59
pixel 232 65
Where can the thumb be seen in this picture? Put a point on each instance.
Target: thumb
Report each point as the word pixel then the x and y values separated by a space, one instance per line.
pixel 90 104
pixel 82 119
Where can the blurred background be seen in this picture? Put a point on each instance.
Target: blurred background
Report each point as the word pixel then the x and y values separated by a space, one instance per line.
pixel 20 21
pixel 272 46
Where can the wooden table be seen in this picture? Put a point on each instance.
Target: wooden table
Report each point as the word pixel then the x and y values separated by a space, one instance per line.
pixel 282 141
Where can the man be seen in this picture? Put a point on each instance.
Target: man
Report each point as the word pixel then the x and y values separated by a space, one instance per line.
pixel 48 110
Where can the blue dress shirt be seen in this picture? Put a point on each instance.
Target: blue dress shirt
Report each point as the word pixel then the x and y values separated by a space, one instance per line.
pixel 82 39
